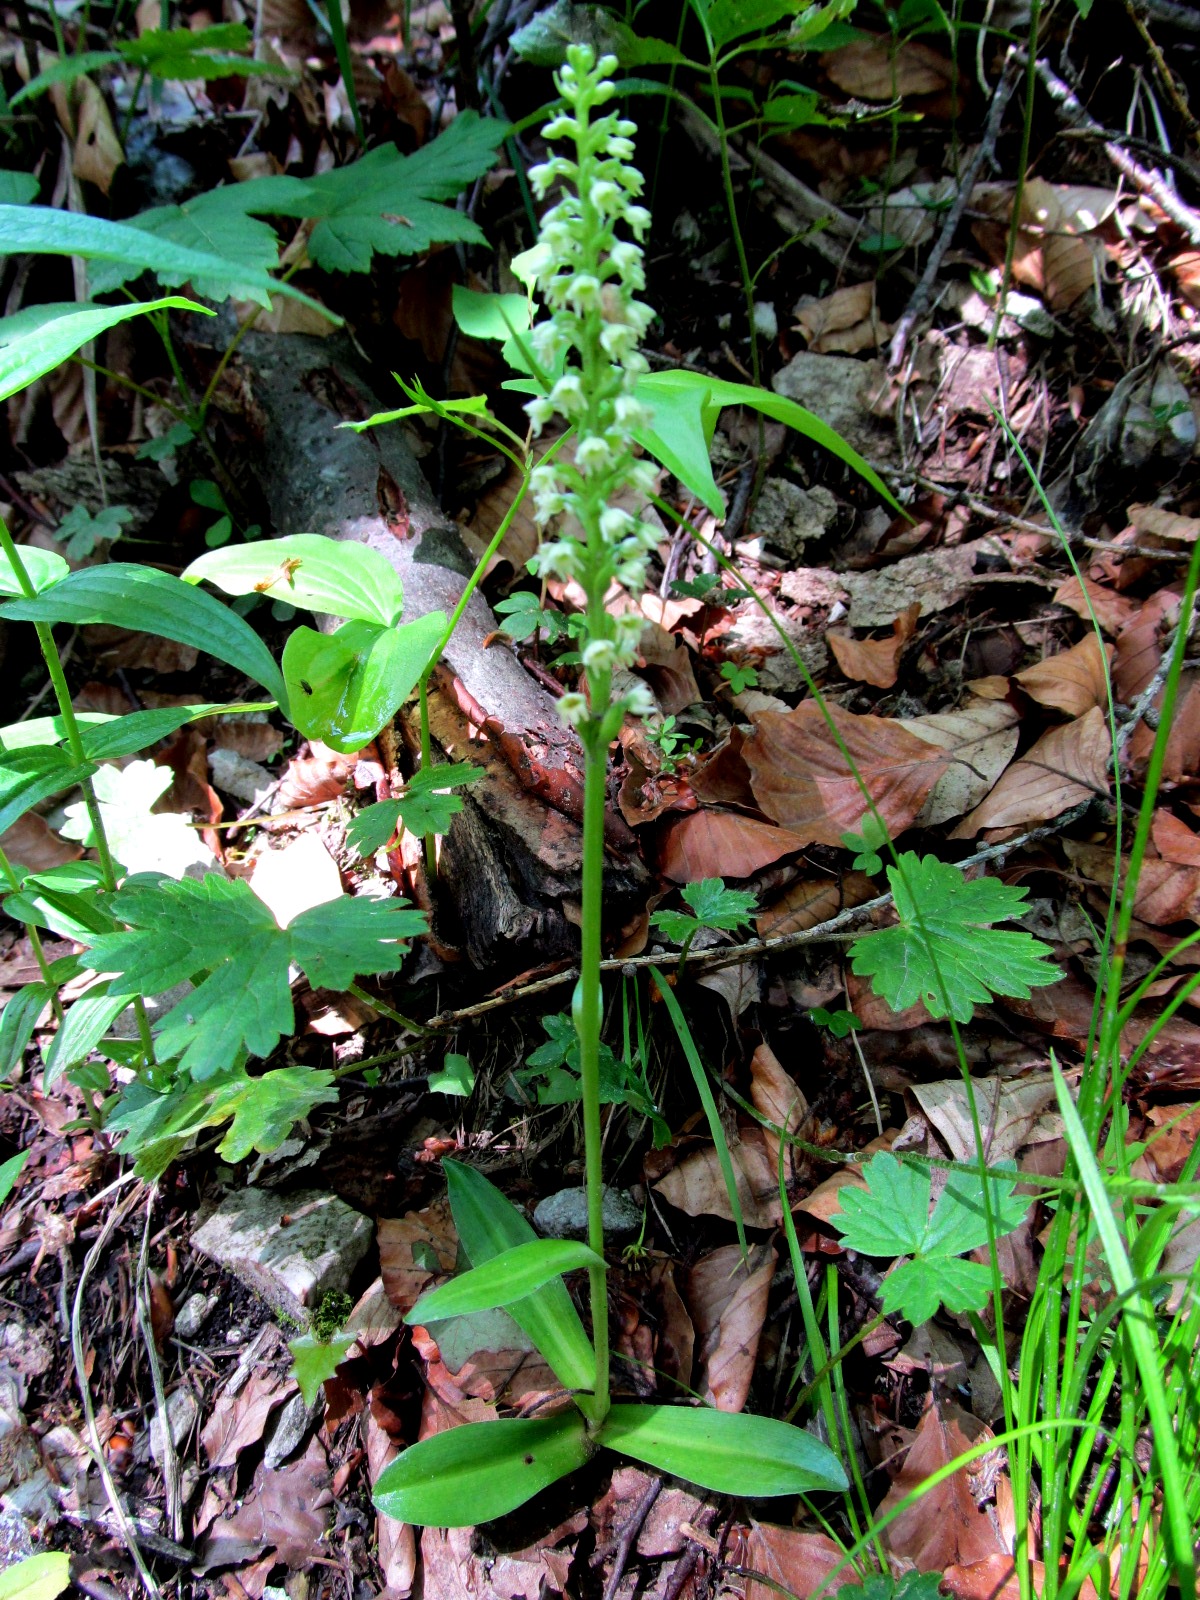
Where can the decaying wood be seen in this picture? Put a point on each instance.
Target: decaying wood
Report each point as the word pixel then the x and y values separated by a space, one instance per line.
pixel 510 864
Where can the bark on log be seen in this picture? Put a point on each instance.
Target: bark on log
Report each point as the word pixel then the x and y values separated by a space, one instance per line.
pixel 510 865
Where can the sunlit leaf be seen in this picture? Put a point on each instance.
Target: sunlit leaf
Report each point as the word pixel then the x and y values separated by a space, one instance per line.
pixel 309 570
pixel 506 1278
pixel 345 686
pixel 728 1452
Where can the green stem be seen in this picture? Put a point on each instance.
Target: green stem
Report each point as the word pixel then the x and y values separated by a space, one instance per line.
pixel 201 411
pixel 587 1009
pixel 35 942
pixel 129 115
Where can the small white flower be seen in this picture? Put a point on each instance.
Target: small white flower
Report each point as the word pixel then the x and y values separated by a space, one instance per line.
pixel 631 575
pixel 582 292
pixel 567 395
pixel 615 524
pixel 631 413
pixel 643 475
pixel 639 702
pixel 606 196
pixel 539 412
pixel 618 341
pixel 592 455
pixel 600 655
pixel 639 220
pixel 630 625
pixel 573 709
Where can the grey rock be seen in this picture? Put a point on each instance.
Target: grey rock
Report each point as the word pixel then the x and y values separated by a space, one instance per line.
pixel 836 388
pixel 788 517
pixel 182 1411
pixel 290 1249
pixel 564 1215
pixel 194 1313
pixel 237 775
pixel 293 1424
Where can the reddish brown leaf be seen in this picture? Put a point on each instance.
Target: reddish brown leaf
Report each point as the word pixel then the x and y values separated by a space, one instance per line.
pixel 1073 681
pixel 1141 643
pixel 995 1578
pixel 1174 840
pixel 802 780
pixel 676 1335
pixel 1166 891
pixel 980 738
pixel 667 668
pixel 875 661
pixel 237 1420
pixel 797 1561
pixel 396 1549
pixel 813 900
pixel 405 1247
pixel 315 778
pixel 697 1186
pixel 1164 525
pixel 877 69
pixel 724 778
pixel 777 1096
pixel 945 1526
pixel 1182 759
pixel 727 1297
pixel 1175 1131
pixel 256 741
pixel 721 844
pixel 31 843
pixel 287 1510
pixel 1112 610
pixel 1066 766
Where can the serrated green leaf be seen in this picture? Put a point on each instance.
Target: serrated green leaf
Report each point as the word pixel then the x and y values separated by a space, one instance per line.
pixel 40 1577
pixel 178 930
pixel 504 1280
pixel 309 570
pixel 888 1218
pixel 148 601
pixel 347 685
pixel 487 1223
pixel 959 1220
pixel 944 950
pixel 218 225
pixel 480 1471
pixel 314 1361
pixel 718 907
pixel 917 1289
pixel 80 532
pixel 28 777
pixel 457 1076
pixel 373 827
pixel 727 1452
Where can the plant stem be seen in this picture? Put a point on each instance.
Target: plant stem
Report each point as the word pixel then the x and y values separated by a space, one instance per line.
pixel 731 204
pixel 35 941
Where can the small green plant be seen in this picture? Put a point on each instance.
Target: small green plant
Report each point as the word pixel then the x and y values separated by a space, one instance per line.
pixel 839 1023
pixel 428 805
pixel 521 617
pixel 710 905
pixel 457 1077
pixel 80 532
pixel 672 746
pixel 867 844
pixel 739 678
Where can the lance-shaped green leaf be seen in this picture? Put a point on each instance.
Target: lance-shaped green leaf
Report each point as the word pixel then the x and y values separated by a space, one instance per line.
pixel 42 567
pixel 728 1452
pixel 344 686
pixel 106 737
pixel 480 1471
pixel 488 1223
pixel 147 601
pixel 28 777
pixel 40 1577
pixel 17 1022
pixel 334 577
pixel 504 1279
pixel 37 340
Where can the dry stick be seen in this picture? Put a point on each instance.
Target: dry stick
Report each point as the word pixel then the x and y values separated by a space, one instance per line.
pixel 923 293
pixel 170 1461
pixel 121 1516
pixel 1148 179
pixel 835 930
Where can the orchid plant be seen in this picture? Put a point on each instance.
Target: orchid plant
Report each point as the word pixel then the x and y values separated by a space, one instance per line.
pixel 590 274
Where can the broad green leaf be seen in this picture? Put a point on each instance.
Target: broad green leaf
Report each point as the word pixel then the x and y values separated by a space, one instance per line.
pixel 17 1022
pixel 43 230
pixel 88 1019
pixel 480 1471
pixel 332 576
pixel 686 406
pixel 503 1280
pixel 10 1171
pixel 28 777
pixel 959 1220
pixel 713 906
pixel 124 736
pixel 728 20
pixel 177 931
pixel 47 730
pixel 917 1289
pixel 489 316
pixel 488 1223
pixel 457 1076
pixel 218 225
pixel 889 1217
pixel 727 1452
pixel 65 900
pixel 944 950
pixel 373 827
pixel 148 601
pixel 316 1360
pixel 40 1577
pixel 17 188
pixel 343 687
pixel 42 567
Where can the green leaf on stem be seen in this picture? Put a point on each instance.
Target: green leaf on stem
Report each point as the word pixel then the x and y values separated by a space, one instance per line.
pixel 480 1471
pixel 42 567
pixel 457 1076
pixel 27 777
pixel 506 1278
pixel 40 338
pixel 344 686
pixel 488 1223
pixel 10 1171
pixel 712 905
pixel 727 1452
pixel 40 1577
pixel 310 570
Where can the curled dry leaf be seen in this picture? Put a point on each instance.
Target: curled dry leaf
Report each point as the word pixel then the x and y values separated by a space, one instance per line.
pixel 727 1297
pixel 981 739
pixel 1182 758
pixel 1168 526
pixel 1013 1114
pixel 287 1510
pixel 945 1526
pixel 721 844
pixel 1166 891
pixel 875 661
pixel 1174 840
pixel 666 665
pixel 844 321
pixel 1065 767
pixel 676 1335
pixel 813 900
pixel 802 780
pixel 795 1562
pixel 313 779
pixel 238 1418
pixel 1073 681
pixel 1059 252
pixel 1112 610
pixel 777 1096
pixel 1141 643
pixel 33 844
pixel 396 1544
pixel 724 778
pixel 697 1187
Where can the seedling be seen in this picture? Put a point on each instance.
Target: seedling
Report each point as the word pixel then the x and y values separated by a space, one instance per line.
pixel 712 905
pixel 867 844
pixel 739 678
pixel 839 1023
pixel 671 745
pixel 79 532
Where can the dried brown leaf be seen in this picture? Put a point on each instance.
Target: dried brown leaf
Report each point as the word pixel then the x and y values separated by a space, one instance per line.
pixel 237 1420
pixel 721 844
pixel 404 1247
pixel 945 1526
pixel 727 1297
pixel 1013 1114
pixel 1174 840
pixel 667 668
pixel 813 900
pixel 1162 524
pixel 777 1096
pixel 1065 767
pixel 981 739
pixel 697 1187
pixel 287 1510
pixel 1141 642
pixel 802 780
pixel 1166 891
pixel 876 69
pixel 396 1546
pixel 313 779
pixel 1112 610
pixel 875 661
pixel 797 1562
pixel 1073 681
pixel 31 843
pixel 844 321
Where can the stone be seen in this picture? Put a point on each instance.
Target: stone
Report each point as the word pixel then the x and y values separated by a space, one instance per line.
pixel 788 517
pixel 290 1249
pixel 193 1314
pixel 836 389
pixel 246 780
pixel 182 1411
pixel 564 1215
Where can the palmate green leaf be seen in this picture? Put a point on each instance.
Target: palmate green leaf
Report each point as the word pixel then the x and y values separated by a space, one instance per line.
pixel 944 950
pixel 148 601
pixel 28 777
pixel 217 224
pixel 427 804
pixel 218 931
pixel 373 827
pixel 918 1289
pixel 480 1471
pixel 344 686
pixel 35 341
pixel 713 906
pixel 727 1452
pixel 314 1361
pixel 488 1223
pixel 309 570
pixel 43 230
pixel 171 54
pixel 155 1127
pixel 505 1279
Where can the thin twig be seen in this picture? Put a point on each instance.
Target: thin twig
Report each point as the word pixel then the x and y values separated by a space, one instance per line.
pixel 169 1461
pixel 923 293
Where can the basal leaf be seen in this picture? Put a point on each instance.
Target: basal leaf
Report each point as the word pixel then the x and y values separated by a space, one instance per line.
pixel 457 1076
pixel 481 1471
pixel 334 577
pixel 716 906
pixel 505 1279
pixel 944 950
pixel 488 1223
pixel 727 1452
pixel 347 685
pixel 148 601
